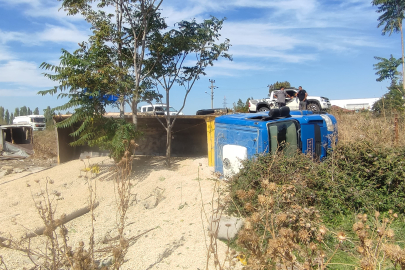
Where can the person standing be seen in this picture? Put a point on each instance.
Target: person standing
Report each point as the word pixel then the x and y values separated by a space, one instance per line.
pixel 302 96
pixel 281 95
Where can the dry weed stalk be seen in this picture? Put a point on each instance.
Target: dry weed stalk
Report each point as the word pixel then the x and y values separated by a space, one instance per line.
pixel 122 186
pixel 52 251
pixel 376 242
pixel 281 234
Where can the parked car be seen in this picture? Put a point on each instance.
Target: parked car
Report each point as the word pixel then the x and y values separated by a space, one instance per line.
pixel 314 103
pixel 159 109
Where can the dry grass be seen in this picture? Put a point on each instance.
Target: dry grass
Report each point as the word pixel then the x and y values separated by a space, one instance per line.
pixel 379 131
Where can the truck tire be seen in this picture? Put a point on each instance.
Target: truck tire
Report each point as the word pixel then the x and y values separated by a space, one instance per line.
pixel 312 106
pixel 264 109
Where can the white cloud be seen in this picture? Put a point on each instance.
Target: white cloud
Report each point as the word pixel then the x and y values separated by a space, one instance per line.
pixel 6 37
pixel 233 65
pixel 51 33
pixel 61 34
pixel 5 54
pixel 23 73
pixel 17 2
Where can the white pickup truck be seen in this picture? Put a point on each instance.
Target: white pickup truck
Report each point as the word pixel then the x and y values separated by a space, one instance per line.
pixel 314 103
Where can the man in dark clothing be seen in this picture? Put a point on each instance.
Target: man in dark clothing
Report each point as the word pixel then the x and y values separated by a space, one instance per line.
pixel 281 95
pixel 302 96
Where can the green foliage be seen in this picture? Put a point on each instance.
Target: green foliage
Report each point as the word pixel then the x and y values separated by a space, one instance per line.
pixel 7 117
pixel 365 178
pixel 241 107
pixel 2 121
pixel 387 68
pixel 48 114
pixel 277 85
pixel 23 111
pixel 180 56
pixel 16 112
pixel 11 118
pixel 36 111
pixel 392 14
pixel 391 101
pixel 354 177
pixel 119 135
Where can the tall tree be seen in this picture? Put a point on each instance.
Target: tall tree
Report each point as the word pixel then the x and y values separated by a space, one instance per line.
pixel 392 100
pixel 277 85
pixel 29 112
pixel 11 118
pixel 16 112
pixel 241 106
pixel 7 117
pixel 23 111
pixel 392 15
pixel 192 43
pixel 136 22
pixel 387 68
pixel 36 111
pixel 1 114
pixel 48 114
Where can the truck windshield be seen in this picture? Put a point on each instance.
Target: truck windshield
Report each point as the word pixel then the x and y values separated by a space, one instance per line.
pixel 38 120
pixel 283 136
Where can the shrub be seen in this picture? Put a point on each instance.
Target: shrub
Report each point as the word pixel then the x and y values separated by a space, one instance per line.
pixel 354 177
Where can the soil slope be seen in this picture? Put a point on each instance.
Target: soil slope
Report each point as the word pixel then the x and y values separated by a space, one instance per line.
pixel 177 225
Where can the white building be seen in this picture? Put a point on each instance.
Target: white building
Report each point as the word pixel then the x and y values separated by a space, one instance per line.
pixel 355 104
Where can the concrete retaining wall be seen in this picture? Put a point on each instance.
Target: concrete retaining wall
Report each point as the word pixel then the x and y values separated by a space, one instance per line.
pixel 190 137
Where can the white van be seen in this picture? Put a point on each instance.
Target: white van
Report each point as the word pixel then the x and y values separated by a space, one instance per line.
pixel 158 109
pixel 37 122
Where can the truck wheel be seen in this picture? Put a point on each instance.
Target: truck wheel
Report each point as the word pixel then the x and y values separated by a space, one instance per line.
pixel 264 109
pixel 313 107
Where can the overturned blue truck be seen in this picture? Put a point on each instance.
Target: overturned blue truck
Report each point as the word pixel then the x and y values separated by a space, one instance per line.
pixel 242 136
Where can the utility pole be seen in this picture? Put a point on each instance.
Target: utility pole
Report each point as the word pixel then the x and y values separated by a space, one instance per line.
pixel 224 104
pixel 212 92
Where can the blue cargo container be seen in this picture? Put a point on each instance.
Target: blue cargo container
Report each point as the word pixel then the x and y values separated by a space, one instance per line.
pixel 241 136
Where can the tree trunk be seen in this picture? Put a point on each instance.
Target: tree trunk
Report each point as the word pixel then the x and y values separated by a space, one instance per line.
pixel 403 63
pixel 168 145
pixel 134 112
pixel 122 111
pixel 168 129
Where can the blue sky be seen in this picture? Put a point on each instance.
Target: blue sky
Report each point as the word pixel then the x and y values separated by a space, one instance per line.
pixel 326 46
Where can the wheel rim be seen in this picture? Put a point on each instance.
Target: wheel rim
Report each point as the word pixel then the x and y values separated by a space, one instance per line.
pixel 264 109
pixel 313 107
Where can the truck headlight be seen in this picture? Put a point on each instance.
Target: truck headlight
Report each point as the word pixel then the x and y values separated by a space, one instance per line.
pixel 328 121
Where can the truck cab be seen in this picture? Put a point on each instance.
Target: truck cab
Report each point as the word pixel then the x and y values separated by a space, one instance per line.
pixel 37 122
pixel 242 136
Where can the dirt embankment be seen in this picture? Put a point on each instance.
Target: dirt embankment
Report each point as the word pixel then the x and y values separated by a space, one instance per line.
pixel 175 223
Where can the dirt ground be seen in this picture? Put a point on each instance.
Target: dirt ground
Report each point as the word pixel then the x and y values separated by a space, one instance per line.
pixel 176 228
